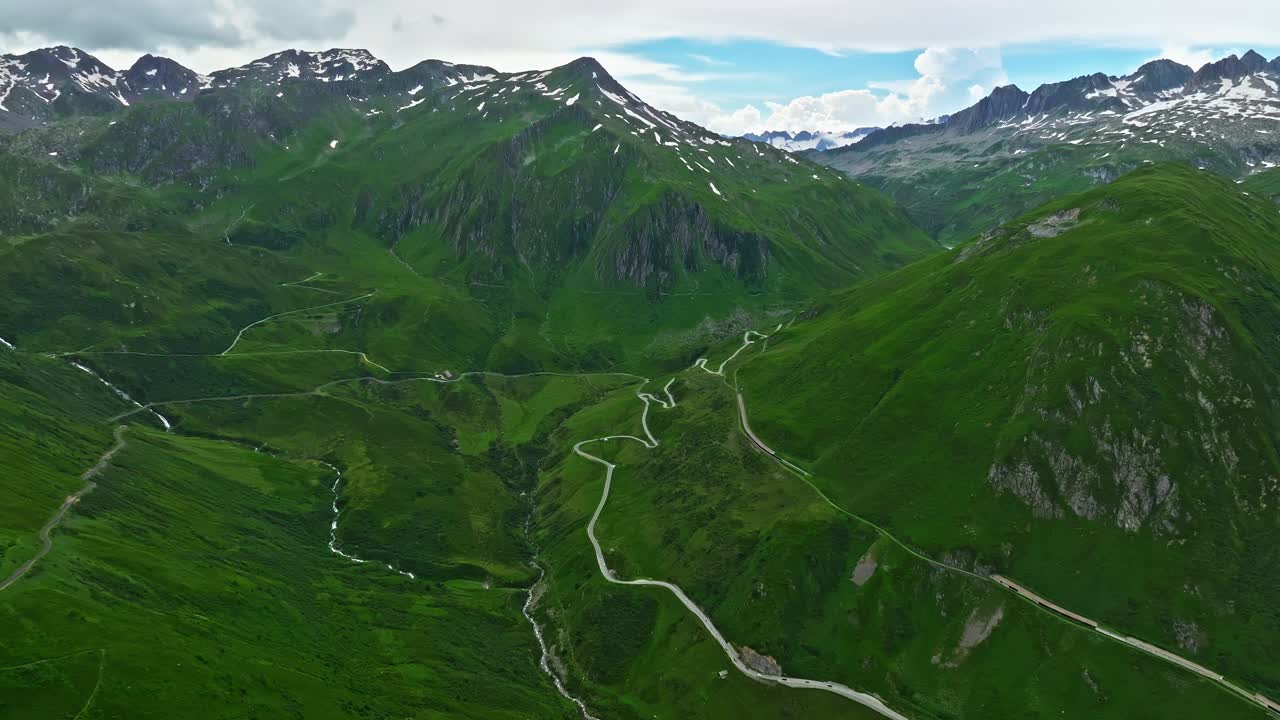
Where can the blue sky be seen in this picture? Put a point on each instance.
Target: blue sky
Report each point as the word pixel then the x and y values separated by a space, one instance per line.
pixel 731 65
pixel 728 75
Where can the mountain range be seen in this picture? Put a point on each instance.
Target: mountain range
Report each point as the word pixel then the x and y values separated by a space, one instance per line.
pixel 336 391
pixel 1013 150
pixel 809 140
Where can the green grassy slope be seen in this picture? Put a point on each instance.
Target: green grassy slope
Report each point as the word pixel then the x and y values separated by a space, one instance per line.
pixel 540 218
pixel 196 576
pixel 1082 399
pixel 53 421
pixel 290 272
pixel 955 185
pixel 781 571
pixel 1266 184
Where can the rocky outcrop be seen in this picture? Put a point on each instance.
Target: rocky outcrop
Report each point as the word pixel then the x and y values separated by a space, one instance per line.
pixel 758 662
pixel 335 65
pixel 1161 75
pixel 677 235
pixel 1228 68
pixel 1003 103
pixel 160 77
pixel 1055 224
pixel 1075 94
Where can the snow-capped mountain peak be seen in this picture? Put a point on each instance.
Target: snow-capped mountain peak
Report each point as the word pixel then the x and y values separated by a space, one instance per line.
pixel 334 65
pixel 809 139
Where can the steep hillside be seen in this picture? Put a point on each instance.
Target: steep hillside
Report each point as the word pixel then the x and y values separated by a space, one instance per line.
pixel 1266 184
pixel 344 313
pixel 1083 399
pixel 803 588
pixel 1015 150
pixel 525 193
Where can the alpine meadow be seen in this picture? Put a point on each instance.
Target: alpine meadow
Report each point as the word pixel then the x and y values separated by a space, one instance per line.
pixel 335 387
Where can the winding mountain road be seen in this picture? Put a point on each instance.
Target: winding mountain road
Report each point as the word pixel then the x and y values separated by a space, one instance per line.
pixel 865 699
pixel 651 442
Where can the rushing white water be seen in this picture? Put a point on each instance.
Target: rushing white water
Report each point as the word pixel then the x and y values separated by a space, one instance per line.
pixel 545 660
pixel 333 528
pixel 125 396
pixel 8 345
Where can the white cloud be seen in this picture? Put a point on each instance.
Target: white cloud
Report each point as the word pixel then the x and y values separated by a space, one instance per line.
pixel 543 33
pixel 950 78
pixel 1195 57
pixel 708 60
pixel 956 63
pixel 503 33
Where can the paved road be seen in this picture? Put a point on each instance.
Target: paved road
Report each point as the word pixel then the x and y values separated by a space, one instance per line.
pixel 46 541
pixel 1148 648
pixel 865 699
pixel 649 441
pixel 255 323
pixel 868 700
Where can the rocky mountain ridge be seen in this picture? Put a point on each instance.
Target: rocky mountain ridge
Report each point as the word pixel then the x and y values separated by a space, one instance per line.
pixel 49 83
pixel 817 140
pixel 1013 149
pixel 1156 81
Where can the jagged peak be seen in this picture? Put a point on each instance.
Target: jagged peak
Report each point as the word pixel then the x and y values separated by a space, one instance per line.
pixel 588 68
pixel 1003 102
pixel 1254 61
pixel 149 61
pixel 72 57
pixel 444 67
pixel 1160 63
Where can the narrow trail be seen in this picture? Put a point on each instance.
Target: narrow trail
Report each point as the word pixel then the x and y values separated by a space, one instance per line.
pixel 102 663
pixel 265 353
pixel 292 312
pixel 747 342
pixel 226 233
pixel 46 539
pixel 319 389
pixel 302 284
pixel 407 266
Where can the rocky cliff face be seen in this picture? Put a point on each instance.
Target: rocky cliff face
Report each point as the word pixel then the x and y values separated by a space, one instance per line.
pixel 158 77
pixel 1003 102
pixel 1230 67
pixel 336 65
pixel 1160 76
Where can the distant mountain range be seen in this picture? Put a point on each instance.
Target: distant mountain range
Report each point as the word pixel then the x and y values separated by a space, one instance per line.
pixel 380 343
pixel 49 83
pixel 1013 150
pixel 809 140
pixel 66 116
